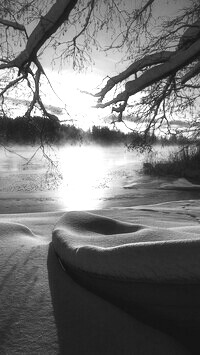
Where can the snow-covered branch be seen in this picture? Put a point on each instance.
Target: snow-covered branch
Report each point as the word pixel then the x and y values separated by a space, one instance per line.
pixel 176 61
pixel 163 54
pixel 46 26
pixel 134 68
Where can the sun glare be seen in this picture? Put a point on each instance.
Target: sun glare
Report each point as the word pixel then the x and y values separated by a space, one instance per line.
pixel 71 89
pixel 67 94
pixel 83 170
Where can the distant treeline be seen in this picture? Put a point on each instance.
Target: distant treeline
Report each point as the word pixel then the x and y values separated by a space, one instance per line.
pixel 22 130
pixel 32 130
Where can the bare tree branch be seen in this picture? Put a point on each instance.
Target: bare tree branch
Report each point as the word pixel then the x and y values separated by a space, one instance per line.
pixel 163 53
pixel 15 25
pixel 11 84
pixel 192 72
pixel 190 35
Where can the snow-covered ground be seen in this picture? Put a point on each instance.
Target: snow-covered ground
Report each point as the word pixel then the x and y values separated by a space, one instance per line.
pixel 43 311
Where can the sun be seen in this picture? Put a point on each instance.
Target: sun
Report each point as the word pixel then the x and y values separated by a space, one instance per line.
pixel 70 89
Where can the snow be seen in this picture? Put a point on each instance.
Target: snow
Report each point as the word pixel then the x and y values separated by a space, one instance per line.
pixel 108 247
pixel 180 184
pixel 43 310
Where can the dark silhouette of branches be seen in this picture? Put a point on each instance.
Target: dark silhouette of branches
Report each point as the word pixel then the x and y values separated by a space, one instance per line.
pixel 161 52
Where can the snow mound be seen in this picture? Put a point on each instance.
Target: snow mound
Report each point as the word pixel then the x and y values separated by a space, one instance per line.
pixel 105 246
pixel 130 186
pixel 152 273
pixel 180 184
pixel 10 229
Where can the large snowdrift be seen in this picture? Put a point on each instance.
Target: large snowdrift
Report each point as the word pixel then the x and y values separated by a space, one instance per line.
pixel 43 310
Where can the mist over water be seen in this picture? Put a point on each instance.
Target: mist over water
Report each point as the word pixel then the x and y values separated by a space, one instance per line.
pixel 91 174
pixel 81 176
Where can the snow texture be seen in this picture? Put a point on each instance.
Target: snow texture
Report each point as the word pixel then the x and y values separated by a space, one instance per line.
pixel 44 311
pixel 106 246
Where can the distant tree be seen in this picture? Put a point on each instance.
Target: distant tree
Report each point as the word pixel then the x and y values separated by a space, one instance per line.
pixel 23 131
pixel 105 135
pixel 71 134
pixel 163 53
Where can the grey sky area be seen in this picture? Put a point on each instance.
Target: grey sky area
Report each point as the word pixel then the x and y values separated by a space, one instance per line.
pixel 67 83
pixel 110 61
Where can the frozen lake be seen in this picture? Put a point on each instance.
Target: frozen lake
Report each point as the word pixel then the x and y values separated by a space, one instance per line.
pixel 81 178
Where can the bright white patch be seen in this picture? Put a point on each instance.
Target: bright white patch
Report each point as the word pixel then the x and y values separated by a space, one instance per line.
pixel 83 172
pixel 70 88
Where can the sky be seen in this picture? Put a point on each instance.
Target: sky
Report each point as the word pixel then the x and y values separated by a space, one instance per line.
pixel 66 98
pixel 69 84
